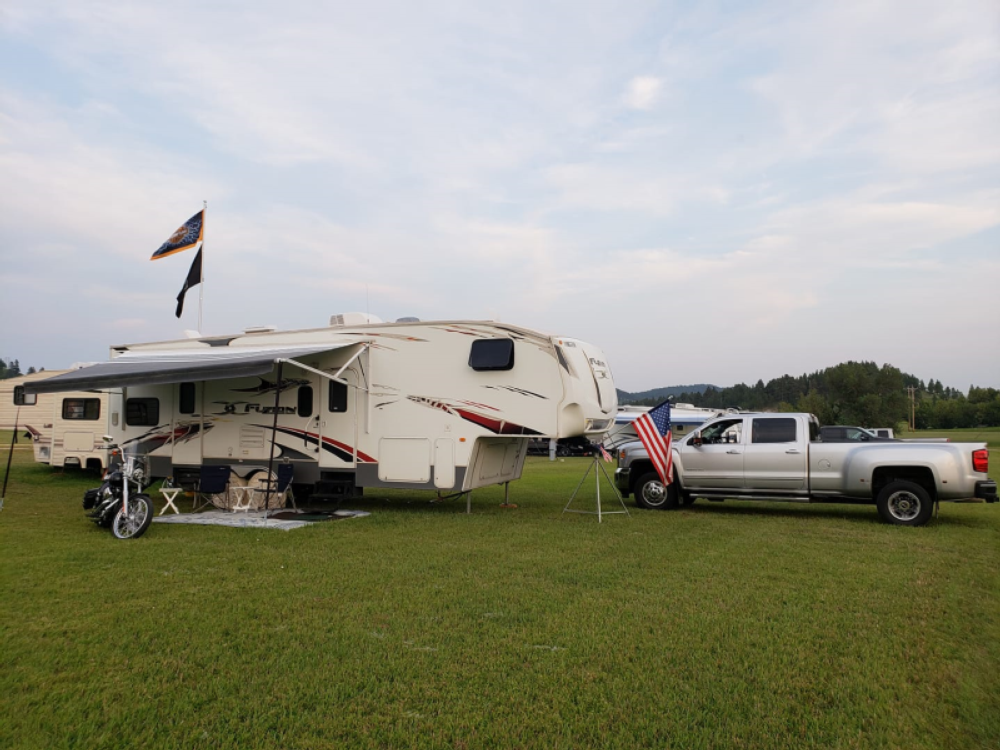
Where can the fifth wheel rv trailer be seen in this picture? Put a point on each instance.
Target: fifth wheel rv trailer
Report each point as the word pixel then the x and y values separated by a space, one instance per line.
pixel 65 430
pixel 447 406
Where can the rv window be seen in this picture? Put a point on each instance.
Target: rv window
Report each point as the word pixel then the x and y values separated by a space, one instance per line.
pixel 492 354
pixel 338 396
pixel 81 408
pixel 142 412
pixel 24 399
pixel 780 430
pixel 186 402
pixel 305 401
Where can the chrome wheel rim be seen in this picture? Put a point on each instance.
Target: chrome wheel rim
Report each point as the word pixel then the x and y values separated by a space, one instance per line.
pixel 904 506
pixel 128 524
pixel 654 493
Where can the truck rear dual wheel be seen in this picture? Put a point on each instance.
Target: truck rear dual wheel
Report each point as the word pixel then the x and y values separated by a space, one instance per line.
pixel 904 504
pixel 652 494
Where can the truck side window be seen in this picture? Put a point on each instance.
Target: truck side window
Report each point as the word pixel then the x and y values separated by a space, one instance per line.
pixel 777 430
pixel 142 412
pixel 492 354
pixel 726 431
pixel 186 403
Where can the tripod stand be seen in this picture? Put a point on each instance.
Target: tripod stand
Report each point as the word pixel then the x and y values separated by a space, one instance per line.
pixel 597 466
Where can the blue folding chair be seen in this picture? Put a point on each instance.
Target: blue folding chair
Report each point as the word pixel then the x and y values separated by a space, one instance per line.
pixel 212 480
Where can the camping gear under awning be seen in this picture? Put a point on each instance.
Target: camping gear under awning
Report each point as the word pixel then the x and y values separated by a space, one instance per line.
pixel 146 367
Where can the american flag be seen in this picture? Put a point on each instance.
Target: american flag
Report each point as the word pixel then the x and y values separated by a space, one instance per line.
pixel 653 428
pixel 604 453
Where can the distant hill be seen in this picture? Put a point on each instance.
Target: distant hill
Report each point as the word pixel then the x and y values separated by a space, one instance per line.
pixel 624 397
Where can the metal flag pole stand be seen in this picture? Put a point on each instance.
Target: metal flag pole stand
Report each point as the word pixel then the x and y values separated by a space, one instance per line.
pixel 599 469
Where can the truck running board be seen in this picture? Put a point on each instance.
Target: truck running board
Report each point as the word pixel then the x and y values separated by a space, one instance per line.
pixel 718 498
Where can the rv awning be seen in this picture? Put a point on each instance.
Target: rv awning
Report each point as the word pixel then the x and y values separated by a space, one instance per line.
pixel 177 366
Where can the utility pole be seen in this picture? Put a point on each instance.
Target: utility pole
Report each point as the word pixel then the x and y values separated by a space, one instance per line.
pixel 913 407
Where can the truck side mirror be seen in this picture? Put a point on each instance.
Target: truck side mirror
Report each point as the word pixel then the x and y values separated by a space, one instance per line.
pixel 696 438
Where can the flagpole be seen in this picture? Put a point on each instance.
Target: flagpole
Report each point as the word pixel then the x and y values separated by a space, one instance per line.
pixel 201 287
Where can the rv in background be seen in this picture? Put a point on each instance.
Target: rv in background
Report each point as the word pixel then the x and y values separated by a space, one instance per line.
pixel 447 406
pixel 65 428
pixel 683 419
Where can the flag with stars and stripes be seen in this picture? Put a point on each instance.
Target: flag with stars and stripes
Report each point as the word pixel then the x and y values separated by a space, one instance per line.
pixel 653 428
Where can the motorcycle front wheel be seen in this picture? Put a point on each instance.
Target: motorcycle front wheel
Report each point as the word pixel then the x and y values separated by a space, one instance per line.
pixel 133 524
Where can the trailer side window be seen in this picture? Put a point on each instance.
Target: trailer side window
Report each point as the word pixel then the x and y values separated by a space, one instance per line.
pixel 773 430
pixel 81 408
pixel 142 412
pixel 24 399
pixel 305 401
pixel 492 354
pixel 338 396
pixel 186 402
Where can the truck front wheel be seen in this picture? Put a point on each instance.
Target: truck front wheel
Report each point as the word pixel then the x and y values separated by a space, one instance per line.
pixel 904 504
pixel 651 493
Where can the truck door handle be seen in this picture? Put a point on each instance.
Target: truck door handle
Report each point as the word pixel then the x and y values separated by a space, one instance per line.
pixel 733 453
pixel 792 450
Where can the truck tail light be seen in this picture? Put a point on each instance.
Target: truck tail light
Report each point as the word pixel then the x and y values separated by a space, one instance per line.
pixel 981 460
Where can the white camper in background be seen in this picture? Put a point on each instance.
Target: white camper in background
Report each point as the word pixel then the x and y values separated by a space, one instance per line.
pixel 446 406
pixel 65 428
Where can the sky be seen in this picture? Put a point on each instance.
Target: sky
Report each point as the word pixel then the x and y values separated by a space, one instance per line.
pixel 711 192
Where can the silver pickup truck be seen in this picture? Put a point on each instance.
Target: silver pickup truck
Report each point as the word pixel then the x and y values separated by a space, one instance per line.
pixel 781 457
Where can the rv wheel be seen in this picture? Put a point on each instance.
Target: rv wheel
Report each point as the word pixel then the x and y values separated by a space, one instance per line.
pixel 652 494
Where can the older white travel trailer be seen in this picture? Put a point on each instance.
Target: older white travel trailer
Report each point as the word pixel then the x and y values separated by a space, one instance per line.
pixel 446 406
pixel 65 430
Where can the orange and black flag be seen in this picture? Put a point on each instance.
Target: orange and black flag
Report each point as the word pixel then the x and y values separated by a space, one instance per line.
pixel 188 235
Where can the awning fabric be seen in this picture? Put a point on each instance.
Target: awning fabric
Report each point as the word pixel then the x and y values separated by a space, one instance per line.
pixel 177 366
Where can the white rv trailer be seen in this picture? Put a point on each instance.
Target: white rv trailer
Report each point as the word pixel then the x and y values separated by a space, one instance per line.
pixel 683 418
pixel 446 406
pixel 65 429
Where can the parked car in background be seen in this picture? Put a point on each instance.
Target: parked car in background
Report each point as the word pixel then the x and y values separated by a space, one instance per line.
pixel 840 434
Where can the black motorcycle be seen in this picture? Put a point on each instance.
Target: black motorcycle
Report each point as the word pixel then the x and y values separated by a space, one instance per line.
pixel 120 503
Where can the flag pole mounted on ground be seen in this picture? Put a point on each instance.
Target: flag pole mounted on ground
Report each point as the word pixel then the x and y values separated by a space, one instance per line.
pixel 188 235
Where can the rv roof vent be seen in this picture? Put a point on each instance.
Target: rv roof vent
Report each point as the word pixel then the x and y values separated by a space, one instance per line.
pixel 260 329
pixel 353 319
pixel 408 319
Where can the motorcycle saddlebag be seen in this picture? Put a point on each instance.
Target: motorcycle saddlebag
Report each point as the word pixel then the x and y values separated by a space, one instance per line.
pixel 90 498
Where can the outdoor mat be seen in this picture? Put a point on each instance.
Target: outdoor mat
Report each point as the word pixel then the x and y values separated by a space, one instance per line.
pixel 285 520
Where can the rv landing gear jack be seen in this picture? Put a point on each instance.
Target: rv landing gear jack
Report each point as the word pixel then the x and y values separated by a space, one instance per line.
pixel 506 497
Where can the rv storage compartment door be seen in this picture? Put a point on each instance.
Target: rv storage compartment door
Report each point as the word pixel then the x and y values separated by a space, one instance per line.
pixel 404 460
pixel 496 460
pixel 79 441
pixel 444 463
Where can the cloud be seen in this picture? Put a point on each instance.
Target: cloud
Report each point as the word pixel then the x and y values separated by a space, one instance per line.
pixel 756 197
pixel 642 92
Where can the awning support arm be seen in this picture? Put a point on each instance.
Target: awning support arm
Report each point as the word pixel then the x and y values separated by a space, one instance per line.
pixel 336 376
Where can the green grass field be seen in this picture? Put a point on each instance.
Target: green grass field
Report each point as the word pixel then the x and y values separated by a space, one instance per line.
pixel 723 625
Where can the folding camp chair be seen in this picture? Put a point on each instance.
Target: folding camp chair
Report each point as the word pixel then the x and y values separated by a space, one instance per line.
pixel 278 487
pixel 212 480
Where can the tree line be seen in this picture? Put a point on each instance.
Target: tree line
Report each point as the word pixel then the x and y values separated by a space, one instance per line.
pixel 858 393
pixel 12 369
